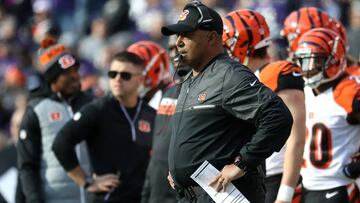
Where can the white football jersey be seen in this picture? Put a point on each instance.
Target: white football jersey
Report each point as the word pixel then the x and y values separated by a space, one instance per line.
pixel 275 163
pixel 330 140
pixel 155 100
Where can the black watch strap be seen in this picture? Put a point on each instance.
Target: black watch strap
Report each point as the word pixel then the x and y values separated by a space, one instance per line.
pixel 87 184
pixel 239 162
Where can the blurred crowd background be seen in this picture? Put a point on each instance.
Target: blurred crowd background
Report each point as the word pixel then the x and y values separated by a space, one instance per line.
pixel 96 29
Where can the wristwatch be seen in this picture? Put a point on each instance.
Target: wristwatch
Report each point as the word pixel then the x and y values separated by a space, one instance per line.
pixel 239 162
pixel 87 184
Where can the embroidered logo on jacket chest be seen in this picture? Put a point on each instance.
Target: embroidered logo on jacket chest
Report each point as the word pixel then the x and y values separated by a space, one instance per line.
pixel 55 116
pixel 144 126
pixel 201 97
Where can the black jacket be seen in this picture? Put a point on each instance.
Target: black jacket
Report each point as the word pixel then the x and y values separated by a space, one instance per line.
pixel 112 148
pixel 222 112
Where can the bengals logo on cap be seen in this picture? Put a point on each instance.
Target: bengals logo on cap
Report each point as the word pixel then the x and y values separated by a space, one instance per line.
pixel 183 15
pixel 66 61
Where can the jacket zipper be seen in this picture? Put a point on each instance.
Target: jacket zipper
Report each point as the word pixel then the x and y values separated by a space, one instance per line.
pixel 183 106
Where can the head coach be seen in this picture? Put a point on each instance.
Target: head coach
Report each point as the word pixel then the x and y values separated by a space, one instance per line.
pixel 223 114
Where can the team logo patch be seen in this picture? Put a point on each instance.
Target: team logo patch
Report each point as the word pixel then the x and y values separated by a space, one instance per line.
pixel 183 15
pixel 144 126
pixel 66 61
pixel 55 116
pixel 201 97
pixel 167 107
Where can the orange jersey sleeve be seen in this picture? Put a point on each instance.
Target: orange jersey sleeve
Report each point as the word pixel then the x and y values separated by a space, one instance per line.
pixel 282 75
pixel 347 93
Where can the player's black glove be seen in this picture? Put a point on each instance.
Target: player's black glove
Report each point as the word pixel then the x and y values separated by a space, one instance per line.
pixel 352 170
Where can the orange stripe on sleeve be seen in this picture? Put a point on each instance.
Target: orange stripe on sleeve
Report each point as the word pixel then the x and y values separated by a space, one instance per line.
pixel 347 91
pixel 271 73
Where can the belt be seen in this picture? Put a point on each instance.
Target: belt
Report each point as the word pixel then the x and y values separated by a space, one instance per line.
pixel 191 192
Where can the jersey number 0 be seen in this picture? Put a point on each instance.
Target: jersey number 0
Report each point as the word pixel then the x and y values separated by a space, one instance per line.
pixel 320 146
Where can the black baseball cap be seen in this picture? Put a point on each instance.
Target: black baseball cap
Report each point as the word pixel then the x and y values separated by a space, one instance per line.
pixel 195 16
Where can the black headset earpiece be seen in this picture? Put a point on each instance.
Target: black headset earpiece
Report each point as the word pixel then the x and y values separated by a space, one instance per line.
pixel 205 17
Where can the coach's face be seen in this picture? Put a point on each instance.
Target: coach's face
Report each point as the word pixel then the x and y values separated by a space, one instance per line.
pixel 192 46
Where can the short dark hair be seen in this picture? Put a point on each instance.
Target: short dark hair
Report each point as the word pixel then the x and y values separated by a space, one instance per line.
pixel 260 53
pixel 129 57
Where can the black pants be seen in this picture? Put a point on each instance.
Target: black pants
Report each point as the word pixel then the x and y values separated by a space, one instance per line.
pixel 101 200
pixel 251 186
pixel 334 195
pixel 272 184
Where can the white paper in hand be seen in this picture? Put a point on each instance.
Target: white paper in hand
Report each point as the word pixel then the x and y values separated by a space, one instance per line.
pixel 205 174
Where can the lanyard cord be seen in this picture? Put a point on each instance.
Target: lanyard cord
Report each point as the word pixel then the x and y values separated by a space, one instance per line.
pixel 132 122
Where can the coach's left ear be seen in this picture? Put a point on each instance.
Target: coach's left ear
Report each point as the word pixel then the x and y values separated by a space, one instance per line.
pixel 212 37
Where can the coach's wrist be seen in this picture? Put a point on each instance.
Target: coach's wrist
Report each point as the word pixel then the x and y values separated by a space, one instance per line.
pixel 240 163
pixel 285 193
pixel 87 183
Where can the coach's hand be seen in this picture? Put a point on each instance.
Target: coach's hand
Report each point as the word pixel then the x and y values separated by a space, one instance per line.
pixel 227 174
